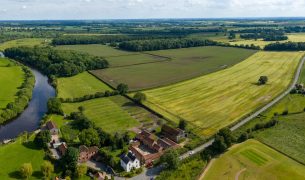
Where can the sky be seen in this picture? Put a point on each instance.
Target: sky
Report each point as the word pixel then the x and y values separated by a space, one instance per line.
pixel 142 9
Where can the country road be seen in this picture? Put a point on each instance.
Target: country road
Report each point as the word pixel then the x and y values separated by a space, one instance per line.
pixel 156 170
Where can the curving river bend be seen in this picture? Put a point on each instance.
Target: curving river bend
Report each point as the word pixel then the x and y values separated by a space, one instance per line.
pixel 29 119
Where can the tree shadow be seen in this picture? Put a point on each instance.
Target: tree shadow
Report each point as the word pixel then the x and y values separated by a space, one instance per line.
pixel 130 104
pixel 37 174
pixel 31 145
pixel 15 175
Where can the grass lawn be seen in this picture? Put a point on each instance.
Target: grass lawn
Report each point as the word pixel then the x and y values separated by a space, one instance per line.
pixel 106 113
pixel 253 160
pixel 11 79
pixel 217 100
pixel 185 64
pixel 287 137
pixel 22 42
pixel 80 85
pixel 13 155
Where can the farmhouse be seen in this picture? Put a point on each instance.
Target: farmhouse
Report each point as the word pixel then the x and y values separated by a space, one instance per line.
pixel 52 128
pixel 149 147
pixel 86 153
pixel 174 134
pixel 129 161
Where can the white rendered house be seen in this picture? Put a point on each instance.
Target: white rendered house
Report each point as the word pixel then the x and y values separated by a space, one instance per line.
pixel 129 161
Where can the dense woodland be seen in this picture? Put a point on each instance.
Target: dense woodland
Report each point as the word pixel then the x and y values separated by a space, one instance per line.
pixel 158 44
pixel 287 46
pixel 55 62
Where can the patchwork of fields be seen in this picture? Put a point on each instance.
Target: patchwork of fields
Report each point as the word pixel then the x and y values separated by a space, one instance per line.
pixel 184 64
pixel 219 99
pixel 11 77
pixel 253 160
pixel 79 85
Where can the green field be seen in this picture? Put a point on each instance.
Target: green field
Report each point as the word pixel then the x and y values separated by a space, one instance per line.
pixel 96 50
pixel 185 64
pixel 79 85
pixel 287 137
pixel 253 160
pixel 294 37
pixel 23 42
pixel 219 99
pixel 115 57
pixel 11 78
pixel 13 155
pixel 106 113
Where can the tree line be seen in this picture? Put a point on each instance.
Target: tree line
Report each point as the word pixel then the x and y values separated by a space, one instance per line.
pixel 56 62
pixel 287 46
pixel 102 39
pixel 24 95
pixel 159 44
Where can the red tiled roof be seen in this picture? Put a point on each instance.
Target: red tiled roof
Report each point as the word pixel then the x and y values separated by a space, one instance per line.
pixel 170 130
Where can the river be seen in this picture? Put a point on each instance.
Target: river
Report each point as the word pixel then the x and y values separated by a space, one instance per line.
pixel 29 119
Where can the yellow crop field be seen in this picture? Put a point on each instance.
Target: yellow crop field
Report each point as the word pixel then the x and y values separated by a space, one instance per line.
pixel 217 100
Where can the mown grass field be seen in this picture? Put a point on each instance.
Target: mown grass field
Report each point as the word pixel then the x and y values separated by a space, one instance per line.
pixel 96 50
pixel 185 64
pixel 80 85
pixel 217 100
pixel 106 113
pixel 253 160
pixel 22 42
pixel 13 155
pixel 115 57
pixel 287 136
pixel 11 78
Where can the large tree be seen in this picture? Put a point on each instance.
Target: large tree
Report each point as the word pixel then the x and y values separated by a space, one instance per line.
pixel 81 170
pixel 89 137
pixel 26 170
pixel 47 169
pixel 122 88
pixel 170 159
pixel 139 97
pixel 54 106
pixel 70 158
pixel 42 138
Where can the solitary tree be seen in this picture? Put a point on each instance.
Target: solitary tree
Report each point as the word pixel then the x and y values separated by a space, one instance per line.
pixel 81 170
pixel 89 137
pixel 26 170
pixel 47 169
pixel 122 88
pixel 262 80
pixel 139 97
